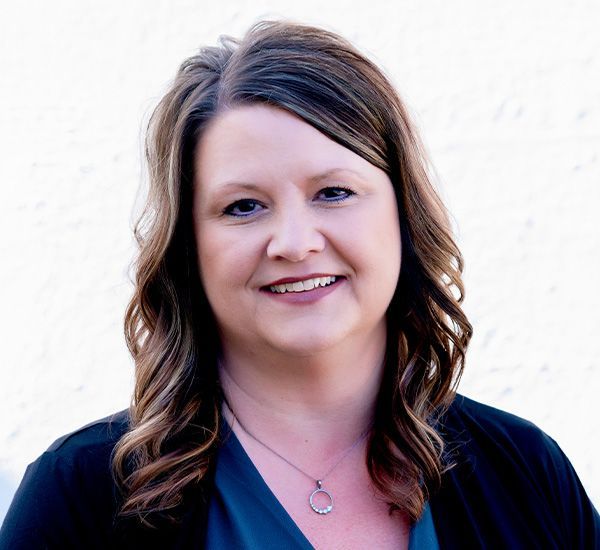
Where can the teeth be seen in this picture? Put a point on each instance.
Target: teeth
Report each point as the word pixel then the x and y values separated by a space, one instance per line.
pixel 302 286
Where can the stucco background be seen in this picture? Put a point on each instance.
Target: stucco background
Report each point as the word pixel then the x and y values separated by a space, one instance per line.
pixel 507 97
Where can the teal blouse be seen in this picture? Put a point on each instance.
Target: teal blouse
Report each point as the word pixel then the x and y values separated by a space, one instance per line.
pixel 244 513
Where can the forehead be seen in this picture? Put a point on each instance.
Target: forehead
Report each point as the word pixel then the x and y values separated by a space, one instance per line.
pixel 258 142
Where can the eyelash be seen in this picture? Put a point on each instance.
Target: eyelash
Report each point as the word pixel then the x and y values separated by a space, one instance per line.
pixel 229 210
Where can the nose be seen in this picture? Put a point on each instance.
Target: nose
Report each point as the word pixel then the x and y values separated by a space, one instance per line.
pixel 295 234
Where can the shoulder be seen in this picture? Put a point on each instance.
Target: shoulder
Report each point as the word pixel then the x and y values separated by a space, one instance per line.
pixel 97 437
pixel 68 495
pixel 510 481
pixel 473 413
pixel 84 455
pixel 486 437
pixel 483 436
pixel 485 415
pixel 467 419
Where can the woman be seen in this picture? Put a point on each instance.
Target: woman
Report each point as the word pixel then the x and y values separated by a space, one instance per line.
pixel 298 338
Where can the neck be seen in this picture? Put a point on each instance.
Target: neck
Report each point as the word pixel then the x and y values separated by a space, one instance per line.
pixel 326 400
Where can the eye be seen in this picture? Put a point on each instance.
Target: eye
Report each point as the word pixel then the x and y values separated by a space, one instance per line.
pixel 335 194
pixel 242 208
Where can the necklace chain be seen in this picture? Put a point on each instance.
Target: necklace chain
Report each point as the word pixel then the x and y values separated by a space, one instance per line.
pixel 318 481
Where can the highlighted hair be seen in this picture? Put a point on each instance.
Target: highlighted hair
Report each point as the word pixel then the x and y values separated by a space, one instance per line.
pixel 175 411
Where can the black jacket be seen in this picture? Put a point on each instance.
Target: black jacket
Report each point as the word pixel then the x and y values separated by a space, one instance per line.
pixel 512 488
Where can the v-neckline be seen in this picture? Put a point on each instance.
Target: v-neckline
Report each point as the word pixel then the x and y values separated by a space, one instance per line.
pixel 239 454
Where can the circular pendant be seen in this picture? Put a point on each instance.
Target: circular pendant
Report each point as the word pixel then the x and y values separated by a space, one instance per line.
pixel 318 490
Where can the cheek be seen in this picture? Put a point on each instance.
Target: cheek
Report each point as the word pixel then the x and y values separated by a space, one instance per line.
pixel 226 260
pixel 389 228
pixel 380 235
pixel 378 232
pixel 212 260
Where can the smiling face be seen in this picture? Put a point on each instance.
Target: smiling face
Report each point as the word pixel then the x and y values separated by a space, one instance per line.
pixel 298 237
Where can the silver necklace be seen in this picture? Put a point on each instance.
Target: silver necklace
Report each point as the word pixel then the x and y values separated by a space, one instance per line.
pixel 319 481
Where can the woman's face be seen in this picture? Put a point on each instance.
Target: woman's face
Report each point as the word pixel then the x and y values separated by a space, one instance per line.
pixel 298 237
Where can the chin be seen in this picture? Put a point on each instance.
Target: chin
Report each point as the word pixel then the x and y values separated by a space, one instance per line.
pixel 307 346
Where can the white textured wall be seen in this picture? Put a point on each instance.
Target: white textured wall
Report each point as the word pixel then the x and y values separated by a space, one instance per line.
pixel 507 95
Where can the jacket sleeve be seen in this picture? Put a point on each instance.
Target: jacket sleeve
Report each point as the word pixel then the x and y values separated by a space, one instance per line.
pixel 578 519
pixel 511 487
pixel 67 498
pixel 51 508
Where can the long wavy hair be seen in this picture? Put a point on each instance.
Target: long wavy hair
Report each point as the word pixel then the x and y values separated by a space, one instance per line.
pixel 169 327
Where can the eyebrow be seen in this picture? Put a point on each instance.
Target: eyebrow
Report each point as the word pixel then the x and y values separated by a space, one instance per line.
pixel 313 179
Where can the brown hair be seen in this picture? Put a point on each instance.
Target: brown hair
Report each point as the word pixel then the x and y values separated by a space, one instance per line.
pixel 175 410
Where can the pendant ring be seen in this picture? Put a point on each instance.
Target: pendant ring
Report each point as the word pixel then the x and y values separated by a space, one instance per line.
pixel 327 508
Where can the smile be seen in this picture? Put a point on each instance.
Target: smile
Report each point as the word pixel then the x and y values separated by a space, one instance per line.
pixel 303 286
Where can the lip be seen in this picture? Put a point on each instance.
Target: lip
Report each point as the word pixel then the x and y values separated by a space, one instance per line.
pixel 300 278
pixel 306 297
